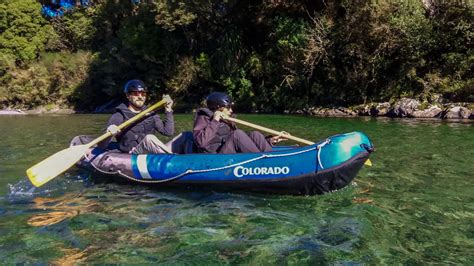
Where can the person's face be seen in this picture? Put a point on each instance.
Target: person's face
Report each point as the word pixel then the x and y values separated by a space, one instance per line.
pixel 227 110
pixel 137 98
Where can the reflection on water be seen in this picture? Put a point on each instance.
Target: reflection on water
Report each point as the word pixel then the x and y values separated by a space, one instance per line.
pixel 73 256
pixel 55 210
pixel 414 206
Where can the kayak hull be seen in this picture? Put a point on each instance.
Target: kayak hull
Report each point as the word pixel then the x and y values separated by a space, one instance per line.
pixel 326 166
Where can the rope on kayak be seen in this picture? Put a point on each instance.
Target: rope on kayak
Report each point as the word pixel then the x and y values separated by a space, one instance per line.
pixel 319 147
pixel 191 171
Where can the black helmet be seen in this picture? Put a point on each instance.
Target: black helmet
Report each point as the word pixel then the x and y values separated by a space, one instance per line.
pixel 134 85
pixel 217 100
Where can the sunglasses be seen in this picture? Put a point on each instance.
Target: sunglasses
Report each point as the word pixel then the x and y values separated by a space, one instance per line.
pixel 137 93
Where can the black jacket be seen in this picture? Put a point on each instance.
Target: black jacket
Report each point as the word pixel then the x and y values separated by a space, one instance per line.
pixel 209 135
pixel 151 123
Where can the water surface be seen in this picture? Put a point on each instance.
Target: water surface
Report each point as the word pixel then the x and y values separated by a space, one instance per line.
pixel 415 205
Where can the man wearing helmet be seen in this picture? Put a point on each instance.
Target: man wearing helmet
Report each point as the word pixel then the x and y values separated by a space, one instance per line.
pixel 139 137
pixel 212 134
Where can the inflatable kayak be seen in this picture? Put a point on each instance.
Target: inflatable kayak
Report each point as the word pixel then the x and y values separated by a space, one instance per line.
pixel 326 166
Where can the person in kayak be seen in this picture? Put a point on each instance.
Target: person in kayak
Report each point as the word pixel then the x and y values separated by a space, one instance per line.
pixel 213 134
pixel 139 137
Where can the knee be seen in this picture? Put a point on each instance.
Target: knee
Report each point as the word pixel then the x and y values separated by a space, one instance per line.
pixel 256 135
pixel 151 138
pixel 75 141
pixel 238 133
pixel 80 140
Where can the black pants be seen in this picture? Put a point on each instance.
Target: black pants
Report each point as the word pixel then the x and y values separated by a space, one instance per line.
pixel 240 142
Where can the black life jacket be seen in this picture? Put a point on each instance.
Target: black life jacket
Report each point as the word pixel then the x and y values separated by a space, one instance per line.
pixel 135 133
pixel 222 134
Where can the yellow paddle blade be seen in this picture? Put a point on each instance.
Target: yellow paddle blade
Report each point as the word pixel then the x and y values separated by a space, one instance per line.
pixel 59 162
pixel 368 162
pixel 55 164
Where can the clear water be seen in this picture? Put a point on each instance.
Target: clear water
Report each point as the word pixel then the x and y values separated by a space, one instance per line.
pixel 415 205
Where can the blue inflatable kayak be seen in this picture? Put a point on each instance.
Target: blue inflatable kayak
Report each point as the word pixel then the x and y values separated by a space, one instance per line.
pixel 326 166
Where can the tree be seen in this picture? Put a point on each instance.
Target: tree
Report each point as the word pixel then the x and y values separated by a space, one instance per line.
pixel 23 31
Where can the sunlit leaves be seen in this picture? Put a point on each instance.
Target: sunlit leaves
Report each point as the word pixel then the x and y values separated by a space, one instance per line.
pixel 23 31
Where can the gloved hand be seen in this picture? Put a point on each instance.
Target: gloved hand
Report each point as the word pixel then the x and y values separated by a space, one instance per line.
pixel 169 103
pixel 276 139
pixel 113 129
pixel 218 115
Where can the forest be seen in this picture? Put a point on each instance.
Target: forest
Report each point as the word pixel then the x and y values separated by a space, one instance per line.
pixel 269 55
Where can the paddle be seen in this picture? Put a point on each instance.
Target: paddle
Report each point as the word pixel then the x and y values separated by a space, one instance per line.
pixel 278 133
pixel 54 165
pixel 268 130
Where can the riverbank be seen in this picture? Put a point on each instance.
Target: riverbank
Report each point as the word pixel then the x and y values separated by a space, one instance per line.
pixel 403 108
pixel 40 110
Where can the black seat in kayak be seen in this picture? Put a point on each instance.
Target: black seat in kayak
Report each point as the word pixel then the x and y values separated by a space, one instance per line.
pixel 182 144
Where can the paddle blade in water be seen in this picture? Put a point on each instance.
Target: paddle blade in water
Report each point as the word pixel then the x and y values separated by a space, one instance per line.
pixel 54 165
pixel 368 162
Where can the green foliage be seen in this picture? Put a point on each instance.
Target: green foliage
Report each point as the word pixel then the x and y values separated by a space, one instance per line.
pixel 453 57
pixel 289 33
pixel 270 56
pixel 423 106
pixel 172 14
pixel 53 79
pixel 204 66
pixel 76 30
pixel 23 31
pixel 240 89
pixel 184 77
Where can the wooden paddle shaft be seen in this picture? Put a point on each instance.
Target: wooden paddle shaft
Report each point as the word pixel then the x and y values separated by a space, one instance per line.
pixel 59 162
pixel 127 123
pixel 268 130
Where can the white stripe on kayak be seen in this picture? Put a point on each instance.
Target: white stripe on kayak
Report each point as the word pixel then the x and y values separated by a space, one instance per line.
pixel 142 166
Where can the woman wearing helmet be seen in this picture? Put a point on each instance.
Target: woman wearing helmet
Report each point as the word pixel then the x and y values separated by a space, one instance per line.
pixel 212 134
pixel 139 137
